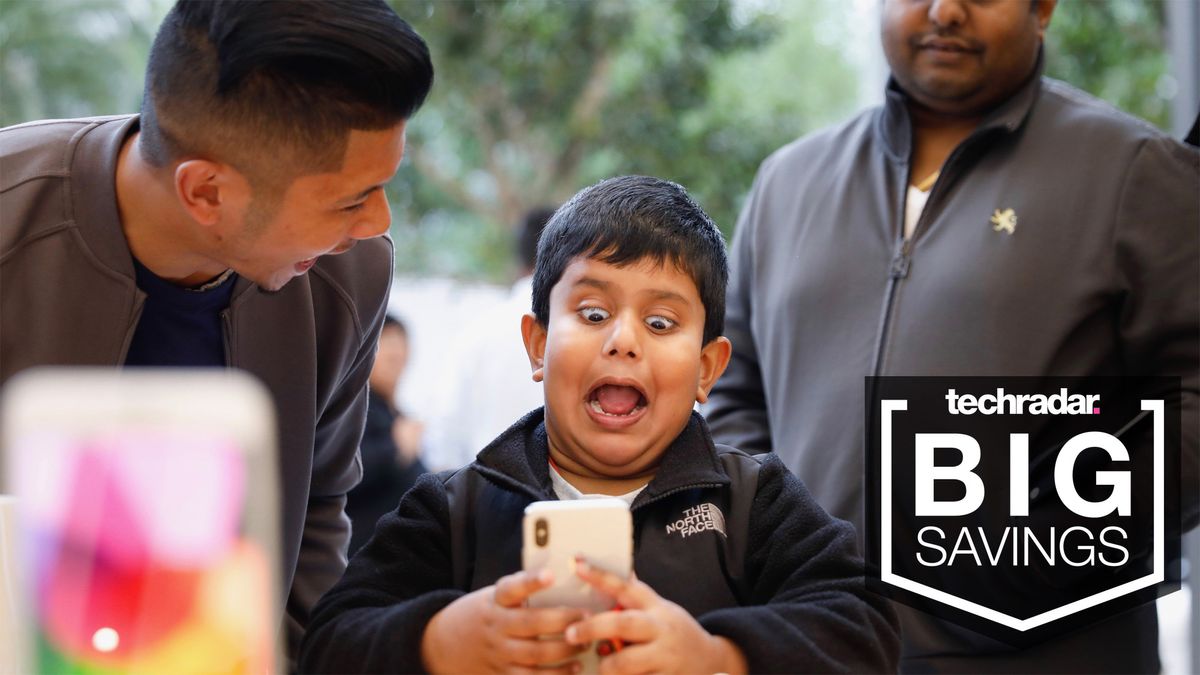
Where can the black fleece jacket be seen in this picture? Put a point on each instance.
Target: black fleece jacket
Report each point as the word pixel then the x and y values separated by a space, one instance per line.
pixel 782 581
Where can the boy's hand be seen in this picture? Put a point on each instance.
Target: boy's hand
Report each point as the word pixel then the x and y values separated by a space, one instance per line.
pixel 656 634
pixel 491 631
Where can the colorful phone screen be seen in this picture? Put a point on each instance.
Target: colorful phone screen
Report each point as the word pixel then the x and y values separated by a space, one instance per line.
pixel 137 552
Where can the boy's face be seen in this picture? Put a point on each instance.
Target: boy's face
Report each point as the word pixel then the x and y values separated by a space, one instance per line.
pixel 623 362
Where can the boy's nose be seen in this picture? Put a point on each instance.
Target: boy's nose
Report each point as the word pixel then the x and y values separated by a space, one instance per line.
pixel 622 340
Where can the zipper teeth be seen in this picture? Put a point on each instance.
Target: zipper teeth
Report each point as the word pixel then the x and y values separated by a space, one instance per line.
pixel 885 326
pixel 905 249
pixel 674 491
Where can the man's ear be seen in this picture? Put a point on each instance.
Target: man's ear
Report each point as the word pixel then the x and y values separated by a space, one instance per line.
pixel 714 357
pixel 534 334
pixel 1044 10
pixel 208 190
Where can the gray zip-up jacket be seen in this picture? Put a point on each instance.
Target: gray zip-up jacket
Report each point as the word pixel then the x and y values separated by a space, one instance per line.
pixel 1099 277
pixel 68 296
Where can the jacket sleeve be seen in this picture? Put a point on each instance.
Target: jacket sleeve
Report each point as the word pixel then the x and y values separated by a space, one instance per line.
pixel 374 618
pixel 337 465
pixel 737 406
pixel 1158 264
pixel 809 608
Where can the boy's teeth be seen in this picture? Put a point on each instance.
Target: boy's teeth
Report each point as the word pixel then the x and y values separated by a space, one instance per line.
pixel 596 407
pixel 617 400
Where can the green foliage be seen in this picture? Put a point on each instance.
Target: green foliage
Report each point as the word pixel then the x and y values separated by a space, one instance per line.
pixel 1114 49
pixel 68 58
pixel 534 99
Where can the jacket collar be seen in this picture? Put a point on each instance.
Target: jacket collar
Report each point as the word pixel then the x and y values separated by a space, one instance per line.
pixel 893 126
pixel 94 188
pixel 519 459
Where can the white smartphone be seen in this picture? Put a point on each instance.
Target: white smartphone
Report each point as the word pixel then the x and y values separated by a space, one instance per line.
pixel 555 532
pixel 144 521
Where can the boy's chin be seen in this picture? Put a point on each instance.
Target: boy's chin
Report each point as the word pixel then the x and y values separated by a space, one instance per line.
pixel 621 461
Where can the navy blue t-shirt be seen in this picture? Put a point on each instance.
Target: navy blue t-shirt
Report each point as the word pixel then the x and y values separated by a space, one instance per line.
pixel 179 326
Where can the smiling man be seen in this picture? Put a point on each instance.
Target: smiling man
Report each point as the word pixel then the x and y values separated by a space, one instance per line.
pixel 206 231
pixel 984 220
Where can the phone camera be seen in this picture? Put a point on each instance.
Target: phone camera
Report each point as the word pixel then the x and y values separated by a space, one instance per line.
pixel 541 532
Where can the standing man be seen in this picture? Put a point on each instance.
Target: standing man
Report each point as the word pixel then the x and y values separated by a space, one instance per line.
pixel 206 232
pixel 984 221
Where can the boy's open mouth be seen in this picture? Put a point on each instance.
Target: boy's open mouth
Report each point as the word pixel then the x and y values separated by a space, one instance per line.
pixel 615 400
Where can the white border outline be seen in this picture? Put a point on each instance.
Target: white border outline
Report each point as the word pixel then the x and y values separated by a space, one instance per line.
pixel 889 406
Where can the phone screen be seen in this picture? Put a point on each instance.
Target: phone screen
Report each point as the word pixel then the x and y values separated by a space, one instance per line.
pixel 136 551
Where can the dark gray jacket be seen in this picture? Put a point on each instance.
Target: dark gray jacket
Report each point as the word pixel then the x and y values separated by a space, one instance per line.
pixel 68 296
pixel 1099 277
pixel 778 577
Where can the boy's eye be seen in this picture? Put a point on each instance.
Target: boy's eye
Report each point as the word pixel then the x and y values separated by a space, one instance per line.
pixel 660 323
pixel 353 207
pixel 593 314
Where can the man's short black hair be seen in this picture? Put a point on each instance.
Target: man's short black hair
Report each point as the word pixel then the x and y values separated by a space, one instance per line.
pixel 627 220
pixel 274 88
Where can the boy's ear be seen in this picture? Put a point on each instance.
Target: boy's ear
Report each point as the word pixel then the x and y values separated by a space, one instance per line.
pixel 714 357
pixel 534 334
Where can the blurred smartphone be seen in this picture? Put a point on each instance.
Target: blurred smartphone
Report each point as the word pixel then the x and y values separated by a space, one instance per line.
pixel 145 530
pixel 555 532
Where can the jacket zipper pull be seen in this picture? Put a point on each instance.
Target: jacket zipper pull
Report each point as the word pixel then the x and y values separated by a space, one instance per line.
pixel 899 266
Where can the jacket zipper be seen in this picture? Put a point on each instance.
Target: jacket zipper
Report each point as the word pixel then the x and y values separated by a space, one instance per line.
pixel 227 330
pixel 901 261
pixel 139 304
pixel 673 491
pixel 897 270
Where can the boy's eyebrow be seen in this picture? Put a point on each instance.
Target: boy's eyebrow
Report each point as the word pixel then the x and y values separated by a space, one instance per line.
pixel 656 294
pixel 667 295
pixel 595 283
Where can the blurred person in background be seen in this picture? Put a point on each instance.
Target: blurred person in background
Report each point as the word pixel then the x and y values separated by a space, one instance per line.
pixel 206 231
pixel 492 386
pixel 391 443
pixel 881 247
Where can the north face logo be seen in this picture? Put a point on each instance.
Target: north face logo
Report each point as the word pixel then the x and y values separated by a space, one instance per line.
pixel 698 519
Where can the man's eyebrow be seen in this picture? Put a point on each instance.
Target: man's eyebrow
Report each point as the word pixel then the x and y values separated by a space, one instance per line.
pixel 362 195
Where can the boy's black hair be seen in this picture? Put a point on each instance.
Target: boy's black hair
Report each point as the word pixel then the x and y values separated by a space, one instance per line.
pixel 274 88
pixel 626 220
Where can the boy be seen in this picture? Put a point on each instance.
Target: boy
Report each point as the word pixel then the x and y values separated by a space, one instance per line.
pixel 628 307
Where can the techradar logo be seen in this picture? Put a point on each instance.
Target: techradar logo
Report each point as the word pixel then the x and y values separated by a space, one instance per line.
pixel 1022 508
pixel 1003 403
